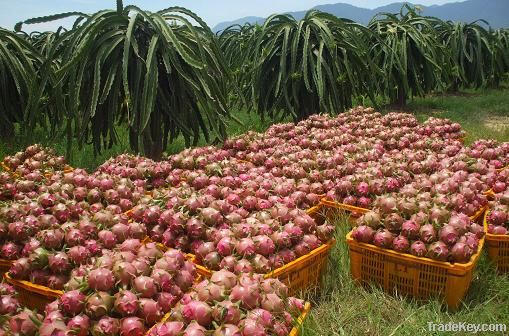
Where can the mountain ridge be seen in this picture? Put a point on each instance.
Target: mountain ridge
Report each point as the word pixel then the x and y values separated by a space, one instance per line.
pixel 493 11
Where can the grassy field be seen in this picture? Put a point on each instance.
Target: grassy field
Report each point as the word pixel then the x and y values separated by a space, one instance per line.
pixel 483 114
pixel 342 307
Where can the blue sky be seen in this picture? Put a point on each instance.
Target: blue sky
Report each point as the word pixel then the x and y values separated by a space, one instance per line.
pixel 12 11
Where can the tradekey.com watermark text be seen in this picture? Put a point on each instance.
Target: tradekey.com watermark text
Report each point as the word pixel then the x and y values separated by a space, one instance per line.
pixel 473 328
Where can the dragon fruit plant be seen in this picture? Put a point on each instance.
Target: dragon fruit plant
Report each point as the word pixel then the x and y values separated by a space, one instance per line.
pixel 15 319
pixel 123 292
pixel 228 304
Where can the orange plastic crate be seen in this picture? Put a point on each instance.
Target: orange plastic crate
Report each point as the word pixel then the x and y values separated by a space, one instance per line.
pixel 498 248
pixel 5 167
pixel 8 170
pixel 489 193
pixel 67 169
pixel 294 332
pixel 353 209
pixel 300 320
pixel 164 319
pixel 420 278
pixel 31 295
pixel 477 217
pixel 303 273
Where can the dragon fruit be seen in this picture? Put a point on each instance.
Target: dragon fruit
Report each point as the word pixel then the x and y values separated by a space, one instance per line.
pixel 197 311
pixel 132 326
pixel 126 303
pixel 101 279
pixel 106 326
pixel 59 263
pixel 9 305
pixel 149 311
pixel 99 304
pixel 23 323
pixel 51 239
pixel 72 302
pixel 79 325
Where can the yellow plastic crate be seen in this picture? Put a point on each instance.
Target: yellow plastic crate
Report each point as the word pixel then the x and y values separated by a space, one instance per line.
pixel 477 217
pixel 336 205
pixel 300 320
pixel 420 278
pixel 31 295
pixel 498 248
pixel 303 273
pixel 294 332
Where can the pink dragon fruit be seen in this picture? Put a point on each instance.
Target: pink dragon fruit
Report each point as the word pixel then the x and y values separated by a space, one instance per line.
pixel 101 279
pixel 126 303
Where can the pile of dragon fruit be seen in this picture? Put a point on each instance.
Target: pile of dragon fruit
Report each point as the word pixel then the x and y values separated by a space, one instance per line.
pixel 123 292
pixel 238 209
pixel 14 318
pixel 34 158
pixel 228 305
pixel 498 215
pixel 69 209
pixel 428 217
pixel 223 234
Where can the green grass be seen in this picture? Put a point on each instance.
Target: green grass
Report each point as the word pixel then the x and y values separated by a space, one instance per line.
pixel 342 307
pixel 482 114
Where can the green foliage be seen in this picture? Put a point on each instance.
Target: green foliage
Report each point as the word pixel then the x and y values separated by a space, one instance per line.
pixel 236 43
pixel 499 62
pixel 156 72
pixel 164 75
pixel 308 66
pixel 406 48
pixel 469 47
pixel 19 62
